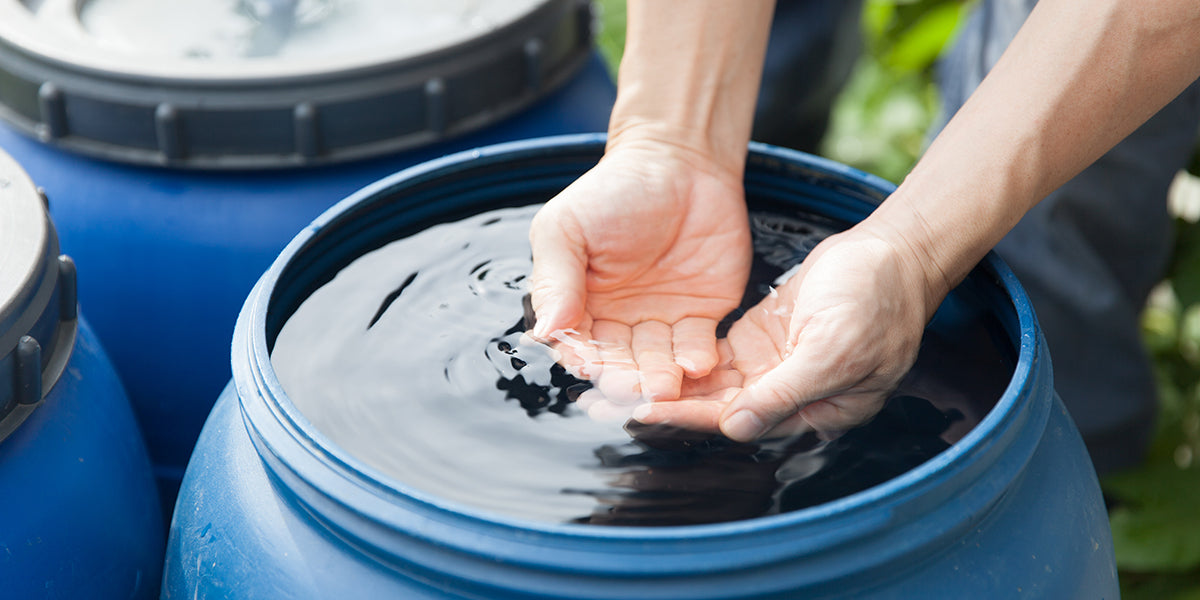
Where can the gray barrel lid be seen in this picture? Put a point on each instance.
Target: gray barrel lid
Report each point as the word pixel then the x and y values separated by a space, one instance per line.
pixel 38 315
pixel 244 84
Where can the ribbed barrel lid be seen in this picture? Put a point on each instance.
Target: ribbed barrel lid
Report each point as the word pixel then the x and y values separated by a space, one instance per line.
pixel 269 83
pixel 37 299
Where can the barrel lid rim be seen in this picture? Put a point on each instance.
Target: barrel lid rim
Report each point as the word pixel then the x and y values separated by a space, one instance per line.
pixel 24 235
pixel 912 483
pixel 271 119
pixel 38 311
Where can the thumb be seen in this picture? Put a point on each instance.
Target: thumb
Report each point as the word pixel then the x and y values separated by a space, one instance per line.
pixel 761 406
pixel 558 284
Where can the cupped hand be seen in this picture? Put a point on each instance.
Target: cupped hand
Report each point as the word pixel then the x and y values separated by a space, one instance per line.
pixel 635 263
pixel 820 352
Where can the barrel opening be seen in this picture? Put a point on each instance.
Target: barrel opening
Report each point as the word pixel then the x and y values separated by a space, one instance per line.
pixel 413 201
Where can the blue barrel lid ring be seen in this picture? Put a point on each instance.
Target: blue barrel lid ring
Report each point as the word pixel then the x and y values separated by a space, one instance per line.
pixel 38 313
pixel 854 541
pixel 61 86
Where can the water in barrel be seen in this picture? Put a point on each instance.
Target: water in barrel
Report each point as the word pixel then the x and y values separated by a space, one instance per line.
pixel 413 359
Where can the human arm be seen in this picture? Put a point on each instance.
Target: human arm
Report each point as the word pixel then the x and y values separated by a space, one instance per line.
pixel 1077 78
pixel 646 252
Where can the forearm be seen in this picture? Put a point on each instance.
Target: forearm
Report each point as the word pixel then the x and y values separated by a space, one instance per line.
pixel 690 76
pixel 1077 78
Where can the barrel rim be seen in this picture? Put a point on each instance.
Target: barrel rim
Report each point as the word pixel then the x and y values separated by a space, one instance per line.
pixel 24 237
pixel 38 312
pixel 313 469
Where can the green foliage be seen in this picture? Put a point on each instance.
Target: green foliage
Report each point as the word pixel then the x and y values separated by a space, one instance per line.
pixel 879 124
pixel 908 36
pixel 610 33
pixel 1154 529
pixel 1156 524
pixel 1156 521
pixel 1137 586
pixel 881 121
pixel 1185 263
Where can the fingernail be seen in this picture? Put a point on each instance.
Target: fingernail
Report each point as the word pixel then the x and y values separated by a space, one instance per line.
pixel 640 413
pixel 744 426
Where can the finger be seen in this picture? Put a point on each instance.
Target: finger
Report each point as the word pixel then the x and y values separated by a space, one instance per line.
pixel 705 416
pixel 558 282
pixel 817 367
pixel 694 340
pixel 618 377
pixel 659 376
pixel 575 352
pixel 588 398
pixel 600 409
pixel 717 380
pixel 773 403
pixel 772 317
pixel 754 351
pixel 764 404
pixel 694 414
pixel 721 377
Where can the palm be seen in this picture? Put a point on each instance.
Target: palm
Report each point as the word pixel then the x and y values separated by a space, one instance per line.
pixel 642 258
pixel 665 261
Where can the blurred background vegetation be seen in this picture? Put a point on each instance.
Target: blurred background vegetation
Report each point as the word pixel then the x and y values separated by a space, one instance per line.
pixel 879 125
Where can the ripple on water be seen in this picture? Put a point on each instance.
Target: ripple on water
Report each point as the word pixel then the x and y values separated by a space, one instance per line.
pixel 412 359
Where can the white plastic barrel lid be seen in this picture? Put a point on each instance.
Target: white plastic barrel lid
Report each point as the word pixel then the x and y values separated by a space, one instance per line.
pixel 23 239
pixel 251 84
pixel 314 32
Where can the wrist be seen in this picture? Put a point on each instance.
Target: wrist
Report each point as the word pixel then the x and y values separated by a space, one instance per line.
pixel 689 77
pixel 671 144
pixel 916 249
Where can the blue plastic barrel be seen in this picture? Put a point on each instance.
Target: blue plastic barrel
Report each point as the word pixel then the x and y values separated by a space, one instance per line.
pixel 81 514
pixel 270 507
pixel 176 182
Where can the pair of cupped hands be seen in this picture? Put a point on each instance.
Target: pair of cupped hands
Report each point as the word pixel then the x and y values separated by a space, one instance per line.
pixel 636 263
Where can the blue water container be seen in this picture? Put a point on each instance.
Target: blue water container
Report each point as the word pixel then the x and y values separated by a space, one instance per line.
pixel 182 147
pixel 81 514
pixel 270 507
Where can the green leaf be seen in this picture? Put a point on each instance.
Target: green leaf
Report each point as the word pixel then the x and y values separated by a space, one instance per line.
pixel 876 17
pixel 918 47
pixel 1178 586
pixel 880 121
pixel 610 36
pixel 1154 529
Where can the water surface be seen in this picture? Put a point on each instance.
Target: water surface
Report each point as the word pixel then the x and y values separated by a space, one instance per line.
pixel 412 359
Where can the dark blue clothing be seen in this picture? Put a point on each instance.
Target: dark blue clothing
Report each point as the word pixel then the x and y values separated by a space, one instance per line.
pixel 1088 254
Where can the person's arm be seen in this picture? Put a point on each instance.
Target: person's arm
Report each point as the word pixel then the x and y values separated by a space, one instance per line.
pixel 1078 77
pixel 689 77
pixel 637 261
